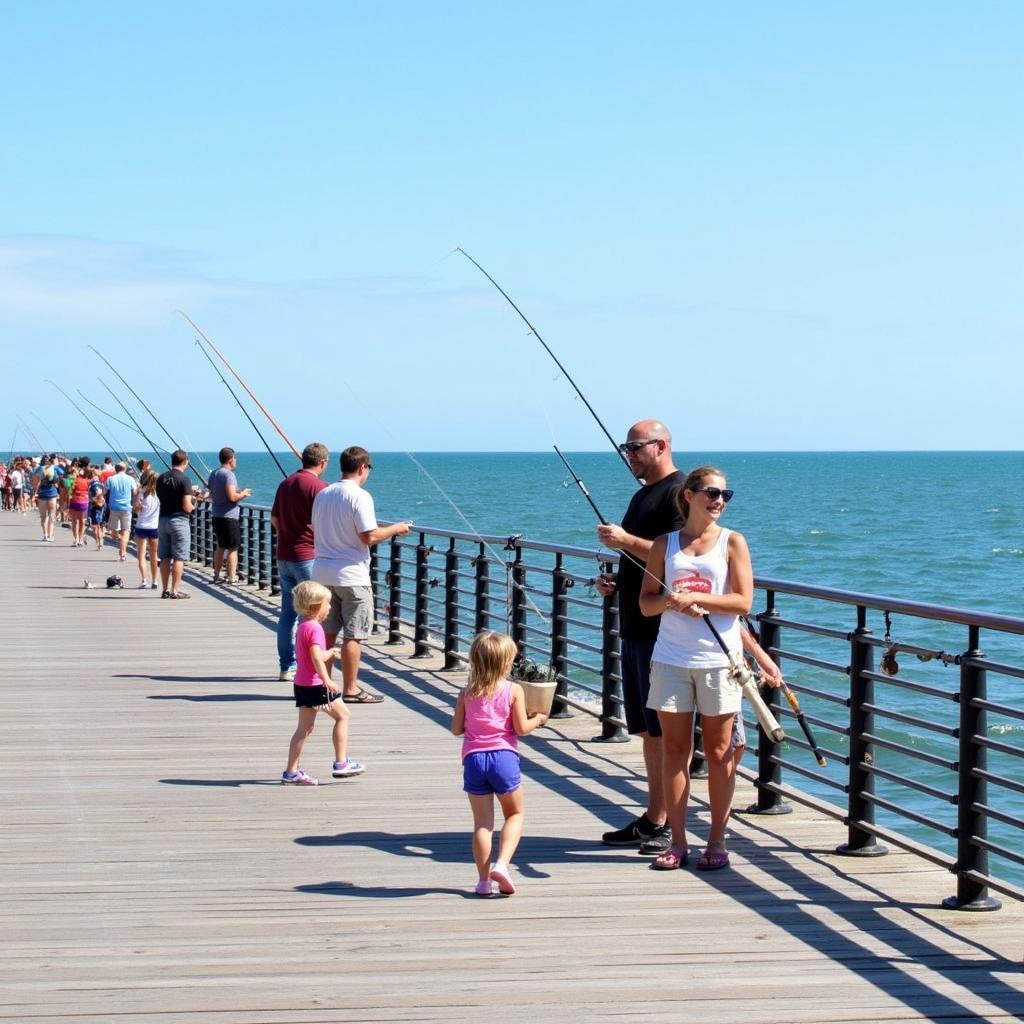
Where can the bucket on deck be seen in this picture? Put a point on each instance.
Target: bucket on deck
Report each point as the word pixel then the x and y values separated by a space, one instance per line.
pixel 539 696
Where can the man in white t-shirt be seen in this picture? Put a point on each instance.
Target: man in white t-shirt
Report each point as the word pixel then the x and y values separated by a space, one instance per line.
pixel 344 529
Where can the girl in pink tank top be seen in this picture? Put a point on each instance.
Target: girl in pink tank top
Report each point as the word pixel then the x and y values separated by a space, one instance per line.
pixel 491 714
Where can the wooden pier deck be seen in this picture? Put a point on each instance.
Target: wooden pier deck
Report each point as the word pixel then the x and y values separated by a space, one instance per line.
pixel 153 869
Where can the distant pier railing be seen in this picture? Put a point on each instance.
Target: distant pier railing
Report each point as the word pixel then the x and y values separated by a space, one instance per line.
pixel 915 754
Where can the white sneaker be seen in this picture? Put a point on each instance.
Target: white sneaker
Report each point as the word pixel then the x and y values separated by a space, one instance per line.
pixel 286 675
pixel 143 586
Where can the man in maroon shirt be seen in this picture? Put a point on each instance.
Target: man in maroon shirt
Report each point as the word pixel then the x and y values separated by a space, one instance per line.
pixel 292 517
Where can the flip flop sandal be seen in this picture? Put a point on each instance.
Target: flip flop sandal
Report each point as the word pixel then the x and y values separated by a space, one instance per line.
pixel 362 697
pixel 713 859
pixel 672 858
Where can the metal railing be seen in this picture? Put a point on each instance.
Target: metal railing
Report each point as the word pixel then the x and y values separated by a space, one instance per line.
pixel 912 755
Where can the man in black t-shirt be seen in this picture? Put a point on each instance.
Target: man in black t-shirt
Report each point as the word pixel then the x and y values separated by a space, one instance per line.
pixel 652 512
pixel 174 535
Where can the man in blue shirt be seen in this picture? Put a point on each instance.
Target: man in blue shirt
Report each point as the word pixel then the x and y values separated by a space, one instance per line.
pixel 120 490
pixel 225 497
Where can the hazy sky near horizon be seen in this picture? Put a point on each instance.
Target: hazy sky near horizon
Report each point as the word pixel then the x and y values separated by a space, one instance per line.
pixel 776 226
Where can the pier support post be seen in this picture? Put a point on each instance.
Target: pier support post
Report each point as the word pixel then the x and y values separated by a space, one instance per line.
pixel 971 823
pixel 451 607
pixel 861 785
pixel 611 669
pixel 422 632
pixel 769 771
pixel 560 583
pixel 394 581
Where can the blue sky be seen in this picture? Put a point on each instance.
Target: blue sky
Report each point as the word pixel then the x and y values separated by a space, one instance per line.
pixel 776 226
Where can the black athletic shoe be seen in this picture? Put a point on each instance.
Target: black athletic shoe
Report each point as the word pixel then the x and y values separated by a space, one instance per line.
pixel 636 832
pixel 659 843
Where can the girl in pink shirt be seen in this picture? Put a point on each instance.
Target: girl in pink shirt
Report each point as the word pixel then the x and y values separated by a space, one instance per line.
pixel 313 687
pixel 491 714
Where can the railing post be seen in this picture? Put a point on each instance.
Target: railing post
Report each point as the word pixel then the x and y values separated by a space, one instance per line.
pixel 194 533
pixel 972 796
pixel 560 583
pixel 611 668
pixel 261 550
pixel 482 591
pixel 275 575
pixel 209 541
pixel 451 607
pixel 394 581
pixel 768 771
pixel 375 586
pixel 518 596
pixel 421 634
pixel 250 546
pixel 861 781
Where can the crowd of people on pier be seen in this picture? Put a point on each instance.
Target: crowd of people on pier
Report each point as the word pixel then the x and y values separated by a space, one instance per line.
pixel 679 571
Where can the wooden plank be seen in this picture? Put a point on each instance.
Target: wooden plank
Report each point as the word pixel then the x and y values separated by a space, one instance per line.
pixel 153 870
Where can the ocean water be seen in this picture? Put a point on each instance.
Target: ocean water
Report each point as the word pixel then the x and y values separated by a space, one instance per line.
pixel 943 528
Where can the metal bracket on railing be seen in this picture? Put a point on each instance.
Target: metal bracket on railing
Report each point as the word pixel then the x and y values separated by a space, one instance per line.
pixel 510 544
pixel 433 582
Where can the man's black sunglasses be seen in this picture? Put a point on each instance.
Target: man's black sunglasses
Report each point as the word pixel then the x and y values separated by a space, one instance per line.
pixel 632 447
pixel 714 493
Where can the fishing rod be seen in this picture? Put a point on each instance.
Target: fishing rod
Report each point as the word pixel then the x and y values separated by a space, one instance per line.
pixel 14 437
pixel 138 426
pixel 198 455
pixel 32 437
pixel 50 432
pixel 147 408
pixel 794 704
pixel 242 407
pixel 234 373
pixel 81 411
pixel 547 348
pixel 740 672
pixel 120 447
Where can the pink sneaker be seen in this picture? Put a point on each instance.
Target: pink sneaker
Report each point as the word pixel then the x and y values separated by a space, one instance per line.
pixel 299 778
pixel 485 887
pixel 499 874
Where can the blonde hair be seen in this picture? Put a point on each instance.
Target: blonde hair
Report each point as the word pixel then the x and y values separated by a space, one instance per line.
pixel 308 596
pixel 693 481
pixel 490 657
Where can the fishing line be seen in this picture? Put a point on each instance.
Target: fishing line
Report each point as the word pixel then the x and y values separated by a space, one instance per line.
pixel 465 519
pixel 547 348
pixel 147 408
pixel 120 447
pixel 31 435
pixel 50 432
pixel 202 462
pixel 234 373
pixel 242 407
pixel 14 437
pixel 106 440
pixel 159 452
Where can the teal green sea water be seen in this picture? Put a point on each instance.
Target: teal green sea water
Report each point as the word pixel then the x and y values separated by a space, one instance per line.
pixel 942 528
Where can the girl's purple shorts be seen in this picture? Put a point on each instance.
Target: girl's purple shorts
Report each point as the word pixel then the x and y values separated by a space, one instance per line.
pixel 491 771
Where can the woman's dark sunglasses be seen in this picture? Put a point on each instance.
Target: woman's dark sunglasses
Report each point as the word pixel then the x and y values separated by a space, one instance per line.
pixel 714 493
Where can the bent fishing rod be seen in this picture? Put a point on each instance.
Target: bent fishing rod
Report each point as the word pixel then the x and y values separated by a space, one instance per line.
pixel 270 452
pixel 550 352
pixel 794 704
pixel 248 391
pixel 51 433
pixel 157 451
pixel 743 675
pixel 106 440
pixel 147 408
pixel 130 467
pixel 31 435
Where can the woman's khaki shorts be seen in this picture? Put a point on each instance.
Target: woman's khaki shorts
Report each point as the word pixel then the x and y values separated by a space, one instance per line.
pixel 681 690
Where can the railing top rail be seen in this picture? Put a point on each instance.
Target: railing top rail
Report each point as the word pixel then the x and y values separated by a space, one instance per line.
pixel 899 606
pixel 922 610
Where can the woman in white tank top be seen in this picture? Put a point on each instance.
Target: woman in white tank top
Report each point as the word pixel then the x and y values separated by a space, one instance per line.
pixel 702 569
